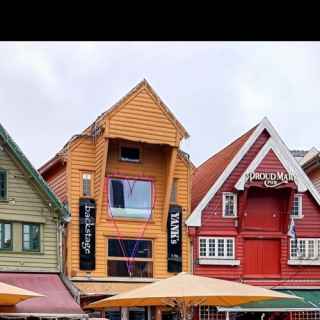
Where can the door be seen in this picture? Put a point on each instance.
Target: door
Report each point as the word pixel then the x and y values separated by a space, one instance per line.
pixel 262 257
pixel 264 210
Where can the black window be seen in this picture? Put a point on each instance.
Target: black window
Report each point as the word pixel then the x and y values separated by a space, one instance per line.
pixel 119 265
pixel 143 248
pixel 130 154
pixel 3 185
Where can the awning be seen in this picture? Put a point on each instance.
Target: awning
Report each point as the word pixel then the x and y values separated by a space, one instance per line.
pixel 56 301
pixel 310 302
pixel 90 288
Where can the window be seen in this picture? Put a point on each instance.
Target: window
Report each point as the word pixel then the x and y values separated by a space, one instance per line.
pixel 229 204
pixel 5 236
pixel 305 249
pixel 297 206
pixel 87 184
pixel 216 248
pixel 131 154
pixel 173 197
pixel 129 198
pixel 3 185
pixel 31 237
pixel 139 250
pixel 211 313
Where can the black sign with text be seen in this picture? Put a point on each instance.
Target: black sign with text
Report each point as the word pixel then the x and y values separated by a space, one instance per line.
pixel 87 218
pixel 174 231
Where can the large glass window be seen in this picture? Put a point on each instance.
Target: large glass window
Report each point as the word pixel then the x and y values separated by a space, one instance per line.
pixel 5 236
pixel 31 237
pixel 138 252
pixel 3 185
pixel 129 198
pixel 216 247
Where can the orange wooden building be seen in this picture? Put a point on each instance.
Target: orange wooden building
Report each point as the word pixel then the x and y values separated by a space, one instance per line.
pixel 128 186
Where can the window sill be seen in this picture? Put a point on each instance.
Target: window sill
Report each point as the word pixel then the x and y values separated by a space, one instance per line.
pixel 230 217
pixel 304 262
pixel 220 262
pixel 297 217
pixel 21 252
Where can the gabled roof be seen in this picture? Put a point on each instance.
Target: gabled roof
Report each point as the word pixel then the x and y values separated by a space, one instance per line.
pixel 110 111
pixel 209 171
pixel 32 172
pixel 210 176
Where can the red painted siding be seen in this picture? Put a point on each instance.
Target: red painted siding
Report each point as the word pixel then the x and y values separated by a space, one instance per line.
pixel 57 180
pixel 213 224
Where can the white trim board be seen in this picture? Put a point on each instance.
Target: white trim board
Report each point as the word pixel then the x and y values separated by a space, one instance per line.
pixel 194 219
pixel 271 145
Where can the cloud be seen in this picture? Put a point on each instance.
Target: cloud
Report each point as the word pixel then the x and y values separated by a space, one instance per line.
pixel 218 90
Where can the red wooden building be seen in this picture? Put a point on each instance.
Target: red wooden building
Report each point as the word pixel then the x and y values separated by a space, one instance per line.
pixel 244 198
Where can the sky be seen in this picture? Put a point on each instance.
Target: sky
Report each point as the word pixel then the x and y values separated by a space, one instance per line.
pixel 50 91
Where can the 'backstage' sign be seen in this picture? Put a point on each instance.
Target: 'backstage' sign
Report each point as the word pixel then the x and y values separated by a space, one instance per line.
pixel 87 218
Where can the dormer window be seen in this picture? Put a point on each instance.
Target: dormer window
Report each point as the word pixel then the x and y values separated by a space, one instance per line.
pixel 229 205
pixel 297 206
pixel 130 154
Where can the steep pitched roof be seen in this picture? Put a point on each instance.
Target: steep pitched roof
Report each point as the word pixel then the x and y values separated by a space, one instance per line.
pixel 209 171
pixel 142 84
pixel 33 173
pixel 226 163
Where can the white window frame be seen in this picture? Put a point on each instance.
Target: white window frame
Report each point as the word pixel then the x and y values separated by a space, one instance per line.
pixel 207 256
pixel 300 215
pixel 298 260
pixel 235 201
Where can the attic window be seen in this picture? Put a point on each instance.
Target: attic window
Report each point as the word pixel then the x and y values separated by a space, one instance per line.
pixel 131 154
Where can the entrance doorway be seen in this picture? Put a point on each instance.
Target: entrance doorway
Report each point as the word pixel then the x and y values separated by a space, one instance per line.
pixel 262 257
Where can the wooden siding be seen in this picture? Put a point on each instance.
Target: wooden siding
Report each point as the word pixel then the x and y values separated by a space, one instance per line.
pixel 314 176
pixel 142 119
pixel 25 204
pixel 154 166
pixel 214 225
pixel 58 182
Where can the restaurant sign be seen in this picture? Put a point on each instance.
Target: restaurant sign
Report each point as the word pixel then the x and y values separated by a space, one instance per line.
pixel 174 231
pixel 270 179
pixel 87 215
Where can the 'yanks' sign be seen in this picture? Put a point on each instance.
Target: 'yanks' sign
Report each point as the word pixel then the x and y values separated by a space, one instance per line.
pixel 174 231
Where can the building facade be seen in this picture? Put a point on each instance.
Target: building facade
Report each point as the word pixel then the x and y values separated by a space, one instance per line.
pixel 245 200
pixel 31 223
pixel 128 177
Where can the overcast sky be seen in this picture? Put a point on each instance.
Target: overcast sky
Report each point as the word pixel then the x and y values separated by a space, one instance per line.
pixel 217 90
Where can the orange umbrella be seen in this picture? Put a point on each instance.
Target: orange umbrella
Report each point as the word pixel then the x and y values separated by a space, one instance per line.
pixel 185 290
pixel 11 295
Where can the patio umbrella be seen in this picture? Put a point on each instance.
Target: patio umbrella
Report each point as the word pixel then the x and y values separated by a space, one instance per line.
pixel 185 290
pixel 11 295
